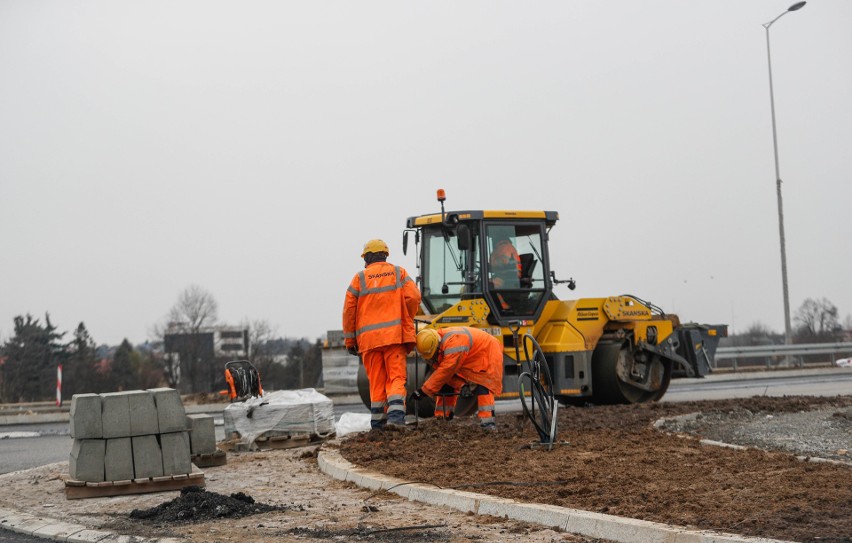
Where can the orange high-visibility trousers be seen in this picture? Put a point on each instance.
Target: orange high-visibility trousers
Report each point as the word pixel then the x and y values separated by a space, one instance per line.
pixel 386 372
pixel 485 407
pixel 446 399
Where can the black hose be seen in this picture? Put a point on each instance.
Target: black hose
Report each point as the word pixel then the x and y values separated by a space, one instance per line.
pixel 540 392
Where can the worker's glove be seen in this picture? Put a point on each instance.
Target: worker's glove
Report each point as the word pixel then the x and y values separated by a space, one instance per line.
pixel 465 392
pixel 417 395
pixel 352 350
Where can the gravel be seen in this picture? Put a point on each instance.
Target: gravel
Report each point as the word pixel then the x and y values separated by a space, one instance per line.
pixel 822 433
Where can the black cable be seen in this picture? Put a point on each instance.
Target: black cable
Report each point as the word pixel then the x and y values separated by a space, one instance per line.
pixel 376 493
pixel 510 483
pixel 473 485
pixel 418 527
pixel 541 391
pixel 246 378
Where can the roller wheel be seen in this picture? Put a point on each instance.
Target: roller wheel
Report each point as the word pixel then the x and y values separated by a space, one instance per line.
pixel 363 386
pixel 617 377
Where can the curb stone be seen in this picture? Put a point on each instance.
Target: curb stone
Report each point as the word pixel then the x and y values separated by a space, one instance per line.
pixel 575 521
pixel 47 528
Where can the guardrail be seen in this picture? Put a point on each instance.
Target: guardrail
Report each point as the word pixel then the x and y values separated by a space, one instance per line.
pixel 788 353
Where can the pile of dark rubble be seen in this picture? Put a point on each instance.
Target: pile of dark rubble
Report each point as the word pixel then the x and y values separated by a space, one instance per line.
pixel 197 505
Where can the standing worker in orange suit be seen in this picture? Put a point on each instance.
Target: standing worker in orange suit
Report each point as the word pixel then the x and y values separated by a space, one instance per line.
pixel 461 356
pixel 378 323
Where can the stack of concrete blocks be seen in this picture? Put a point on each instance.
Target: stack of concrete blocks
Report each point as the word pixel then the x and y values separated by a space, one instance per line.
pixel 202 434
pixel 339 368
pixel 120 436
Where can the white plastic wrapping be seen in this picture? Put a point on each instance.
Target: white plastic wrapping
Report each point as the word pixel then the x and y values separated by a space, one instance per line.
pixel 283 412
pixel 353 422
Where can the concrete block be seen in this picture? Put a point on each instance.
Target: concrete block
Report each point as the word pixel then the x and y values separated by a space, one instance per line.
pixel 147 457
pixel 437 496
pixel 170 411
pixel 494 506
pixel 115 413
pixel 143 413
pixel 118 459
pixel 202 434
pixel 118 538
pixel 688 536
pixel 462 501
pixel 634 531
pixel 330 465
pixel 88 536
pixel 25 524
pixel 176 456
pixel 86 461
pixel 551 516
pixel 85 417
pixel 6 513
pixel 58 531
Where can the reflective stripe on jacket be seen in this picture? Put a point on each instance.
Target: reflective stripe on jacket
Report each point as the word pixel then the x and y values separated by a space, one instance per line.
pixel 471 354
pixel 380 304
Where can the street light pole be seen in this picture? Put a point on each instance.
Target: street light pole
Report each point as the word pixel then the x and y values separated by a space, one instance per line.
pixel 788 336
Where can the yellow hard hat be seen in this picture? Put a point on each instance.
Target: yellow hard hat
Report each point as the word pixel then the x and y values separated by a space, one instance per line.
pixel 427 342
pixel 375 246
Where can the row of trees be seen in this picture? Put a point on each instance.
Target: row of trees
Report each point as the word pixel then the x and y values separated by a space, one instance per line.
pixel 29 359
pixel 815 321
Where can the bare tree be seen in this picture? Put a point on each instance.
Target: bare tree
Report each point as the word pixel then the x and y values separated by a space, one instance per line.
pixel 185 368
pixel 817 320
pixel 195 309
pixel 263 352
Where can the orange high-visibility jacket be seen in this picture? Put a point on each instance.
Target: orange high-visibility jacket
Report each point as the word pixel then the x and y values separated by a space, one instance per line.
pixel 505 254
pixel 380 304
pixel 471 354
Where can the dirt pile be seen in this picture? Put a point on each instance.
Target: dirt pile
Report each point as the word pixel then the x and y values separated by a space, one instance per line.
pixel 197 505
pixel 617 462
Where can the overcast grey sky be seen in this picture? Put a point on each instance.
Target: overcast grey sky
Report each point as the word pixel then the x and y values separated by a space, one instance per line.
pixel 251 148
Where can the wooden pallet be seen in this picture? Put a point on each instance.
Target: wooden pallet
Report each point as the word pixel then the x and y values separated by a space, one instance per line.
pixel 265 443
pixel 81 489
pixel 282 442
pixel 206 460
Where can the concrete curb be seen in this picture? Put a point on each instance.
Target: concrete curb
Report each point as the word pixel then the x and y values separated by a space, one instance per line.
pixel 47 528
pixel 575 521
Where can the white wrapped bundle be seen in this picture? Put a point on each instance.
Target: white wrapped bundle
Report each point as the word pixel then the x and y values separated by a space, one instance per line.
pixel 283 412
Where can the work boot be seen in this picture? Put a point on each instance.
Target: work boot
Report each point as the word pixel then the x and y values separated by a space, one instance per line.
pixel 397 418
pixel 489 427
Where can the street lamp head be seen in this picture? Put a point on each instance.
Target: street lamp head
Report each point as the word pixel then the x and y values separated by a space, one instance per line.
pixel 797 6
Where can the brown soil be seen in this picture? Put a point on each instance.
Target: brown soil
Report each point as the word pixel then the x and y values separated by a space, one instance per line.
pixel 616 462
pixel 199 398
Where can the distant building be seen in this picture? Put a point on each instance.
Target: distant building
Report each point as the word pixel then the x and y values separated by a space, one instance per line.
pixel 339 368
pixel 198 356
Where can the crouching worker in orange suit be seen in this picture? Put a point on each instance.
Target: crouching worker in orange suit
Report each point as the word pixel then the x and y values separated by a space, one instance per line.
pixel 461 356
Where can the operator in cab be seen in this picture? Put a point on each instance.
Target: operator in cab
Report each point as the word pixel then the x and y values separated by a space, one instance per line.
pixel 462 358
pixel 378 324
pixel 505 265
